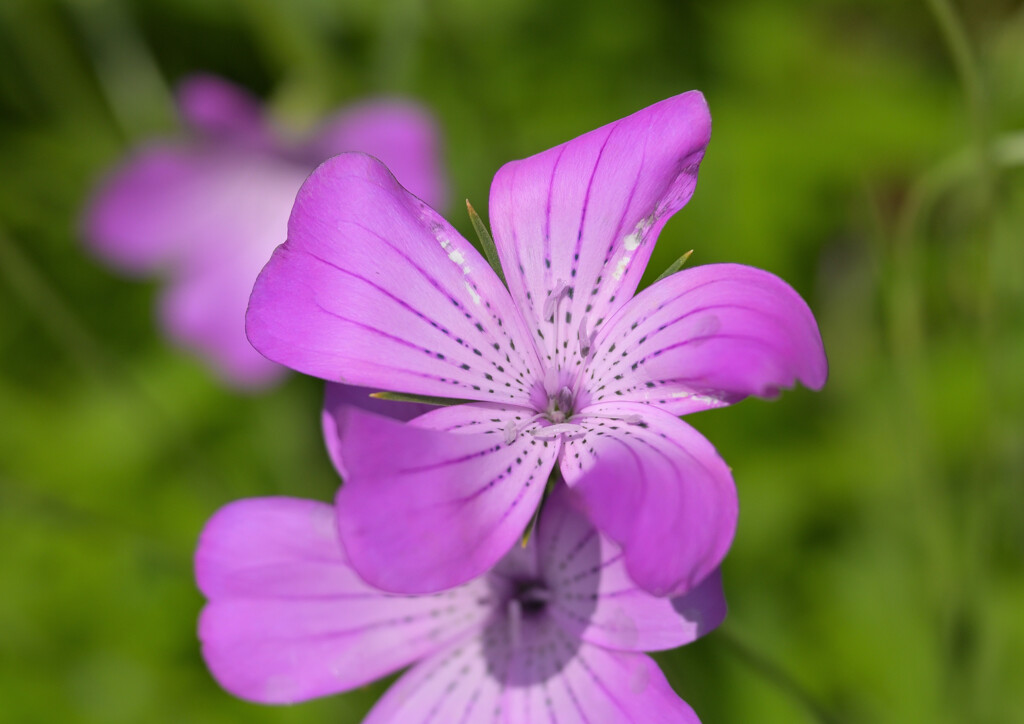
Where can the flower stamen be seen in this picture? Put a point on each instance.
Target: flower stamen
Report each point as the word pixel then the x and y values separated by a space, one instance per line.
pixel 512 429
pixel 631 418
pixel 515 622
pixel 510 432
pixel 551 303
pixel 557 430
pixel 586 339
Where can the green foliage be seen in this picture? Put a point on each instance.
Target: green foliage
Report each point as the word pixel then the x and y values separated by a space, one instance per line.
pixel 876 574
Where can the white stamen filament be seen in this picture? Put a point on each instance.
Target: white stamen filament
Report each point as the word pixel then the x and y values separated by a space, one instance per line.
pixel 557 430
pixel 630 418
pixel 515 622
pixel 512 429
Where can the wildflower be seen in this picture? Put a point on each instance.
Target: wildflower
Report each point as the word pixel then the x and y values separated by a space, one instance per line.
pixel 553 633
pixel 208 210
pixel 374 288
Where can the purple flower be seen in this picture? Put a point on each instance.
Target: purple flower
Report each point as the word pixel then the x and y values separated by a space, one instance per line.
pixel 553 633
pixel 208 210
pixel 564 367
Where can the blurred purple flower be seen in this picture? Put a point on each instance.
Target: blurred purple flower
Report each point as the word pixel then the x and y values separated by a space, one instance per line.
pixel 553 633
pixel 374 288
pixel 209 210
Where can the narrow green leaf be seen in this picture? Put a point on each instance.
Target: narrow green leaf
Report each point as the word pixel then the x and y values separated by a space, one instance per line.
pixel 533 522
pixel 674 266
pixel 553 479
pixel 424 399
pixel 486 241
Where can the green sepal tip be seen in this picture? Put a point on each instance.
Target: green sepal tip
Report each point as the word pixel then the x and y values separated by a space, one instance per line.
pixel 424 399
pixel 532 524
pixel 553 479
pixel 674 266
pixel 486 242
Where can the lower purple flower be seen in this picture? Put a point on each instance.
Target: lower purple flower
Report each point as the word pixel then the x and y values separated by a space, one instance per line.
pixel 554 632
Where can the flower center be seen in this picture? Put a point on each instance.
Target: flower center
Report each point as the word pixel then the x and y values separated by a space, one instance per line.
pixel 532 597
pixel 527 603
pixel 556 403
pixel 560 406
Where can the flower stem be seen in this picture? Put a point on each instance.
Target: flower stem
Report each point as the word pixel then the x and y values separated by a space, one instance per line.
pixel 486 242
pixel 130 82
pixel 969 72
pixel 54 316
pixel 69 333
pixel 777 676
pixel 398 45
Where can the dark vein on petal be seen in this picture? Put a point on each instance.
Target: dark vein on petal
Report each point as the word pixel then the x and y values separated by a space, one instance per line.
pixel 437 285
pixel 601 685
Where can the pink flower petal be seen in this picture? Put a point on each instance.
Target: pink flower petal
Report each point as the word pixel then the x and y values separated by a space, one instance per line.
pixel 374 289
pixel 452 687
pixel 203 309
pixel 402 135
pixel 288 619
pixel 212 217
pixel 602 686
pixel 596 600
pixel 422 510
pixel 657 487
pixel 587 213
pixel 168 203
pixel 475 681
pixel 220 109
pixel 706 337
pixel 143 215
pixel 338 397
pixel 210 210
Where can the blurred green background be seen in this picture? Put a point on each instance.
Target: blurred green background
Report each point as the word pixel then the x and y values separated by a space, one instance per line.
pixel 866 151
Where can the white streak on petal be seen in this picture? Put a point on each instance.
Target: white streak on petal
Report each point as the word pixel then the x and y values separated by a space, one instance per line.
pixel 455 255
pixel 703 399
pixel 620 269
